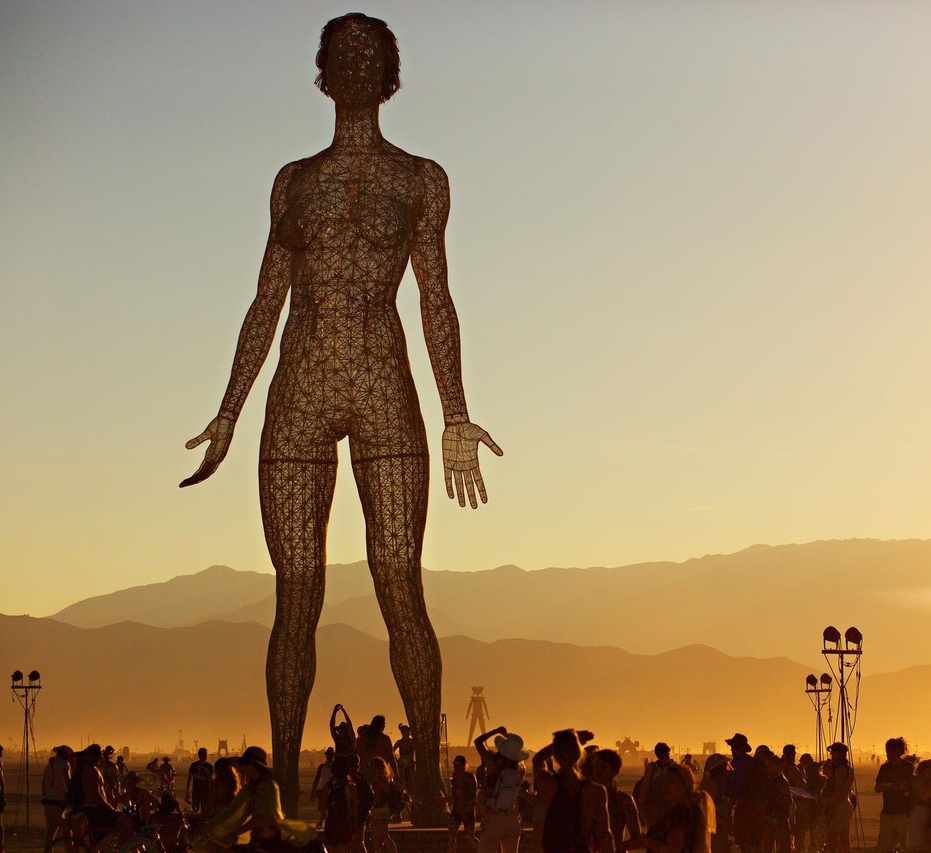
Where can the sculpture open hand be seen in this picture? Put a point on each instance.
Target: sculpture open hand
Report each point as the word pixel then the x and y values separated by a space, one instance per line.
pixel 460 461
pixel 219 433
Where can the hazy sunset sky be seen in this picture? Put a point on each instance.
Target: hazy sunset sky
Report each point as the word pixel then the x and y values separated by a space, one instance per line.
pixel 689 248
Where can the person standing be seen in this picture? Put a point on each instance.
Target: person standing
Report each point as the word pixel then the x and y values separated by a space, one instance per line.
pixel 622 807
pixel 55 780
pixel 2 800
pixel 746 788
pixel 651 803
pixel 319 788
pixel 918 837
pixel 713 783
pixel 166 775
pixel 835 798
pixel 894 782
pixel 462 804
pixel 503 774
pixel 576 808
pixel 199 778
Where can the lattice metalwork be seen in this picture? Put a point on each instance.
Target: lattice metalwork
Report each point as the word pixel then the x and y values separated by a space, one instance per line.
pixel 344 224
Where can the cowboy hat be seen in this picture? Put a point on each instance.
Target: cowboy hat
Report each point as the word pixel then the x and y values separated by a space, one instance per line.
pixel 511 747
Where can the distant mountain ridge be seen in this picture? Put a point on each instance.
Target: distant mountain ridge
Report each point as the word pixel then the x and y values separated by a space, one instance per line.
pixel 763 601
pixel 136 684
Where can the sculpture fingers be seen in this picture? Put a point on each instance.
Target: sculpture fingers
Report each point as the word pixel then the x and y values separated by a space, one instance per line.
pixel 460 488
pixel 470 488
pixel 480 484
pixel 488 440
pixel 448 475
pixel 200 439
pixel 207 467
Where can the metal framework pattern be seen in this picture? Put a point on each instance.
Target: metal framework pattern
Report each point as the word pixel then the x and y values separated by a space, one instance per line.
pixel 344 224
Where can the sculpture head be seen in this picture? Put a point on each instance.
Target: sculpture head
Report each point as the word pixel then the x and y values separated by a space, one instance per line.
pixel 359 61
pixel 477 690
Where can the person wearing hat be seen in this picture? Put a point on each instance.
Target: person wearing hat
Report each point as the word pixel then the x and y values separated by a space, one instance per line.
pixel 713 783
pixel 319 788
pixel 55 780
pixel 746 788
pixel 137 798
pixel 835 799
pixel 256 809
pixel 111 776
pixel 575 808
pixel 503 774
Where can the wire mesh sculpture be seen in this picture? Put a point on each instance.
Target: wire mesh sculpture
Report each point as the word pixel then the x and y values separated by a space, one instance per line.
pixel 344 224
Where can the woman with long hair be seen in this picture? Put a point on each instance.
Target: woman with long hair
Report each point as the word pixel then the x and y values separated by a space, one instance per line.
pixel 344 224
pixel 504 771
pixel 382 807
pixel 374 743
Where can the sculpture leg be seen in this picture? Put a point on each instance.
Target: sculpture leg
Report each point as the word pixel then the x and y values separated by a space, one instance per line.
pixel 296 498
pixel 472 728
pixel 393 492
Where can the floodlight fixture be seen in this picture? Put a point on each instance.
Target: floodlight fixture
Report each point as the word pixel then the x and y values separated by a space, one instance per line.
pixel 17 677
pixel 811 681
pixel 34 678
pixel 853 638
pixel 827 682
pixel 831 637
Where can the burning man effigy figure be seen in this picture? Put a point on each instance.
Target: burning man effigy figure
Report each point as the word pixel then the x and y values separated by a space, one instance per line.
pixel 344 224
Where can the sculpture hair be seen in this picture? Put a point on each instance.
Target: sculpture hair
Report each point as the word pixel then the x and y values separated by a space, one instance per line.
pixel 391 81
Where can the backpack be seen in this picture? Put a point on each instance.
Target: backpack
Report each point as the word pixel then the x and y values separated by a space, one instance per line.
pixel 394 799
pixel 340 823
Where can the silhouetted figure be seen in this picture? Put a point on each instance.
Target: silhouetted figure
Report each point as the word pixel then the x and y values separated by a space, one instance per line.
pixel 777 826
pixel 835 798
pixel 199 779
pixel 503 772
pixel 136 798
pixel 406 761
pixel 55 780
pixel 714 784
pixel 809 826
pixel 651 803
pixel 256 808
pixel 226 785
pixel 374 743
pixel 462 802
pixel 576 809
pixel 386 803
pixel 344 738
pixel 365 799
pixel 478 708
pixel 344 224
pixel 746 788
pixel 919 816
pixel 342 807
pixel 166 775
pixel 894 782
pixel 2 801
pixel 622 808
pixel 686 823
pixel 319 788
pixel 111 776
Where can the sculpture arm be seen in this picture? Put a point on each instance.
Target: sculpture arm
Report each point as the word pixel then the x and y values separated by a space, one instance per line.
pixel 255 339
pixel 440 324
pixel 258 328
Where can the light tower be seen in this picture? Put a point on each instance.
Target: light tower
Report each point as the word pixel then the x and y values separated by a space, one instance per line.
pixel 819 694
pixel 26 694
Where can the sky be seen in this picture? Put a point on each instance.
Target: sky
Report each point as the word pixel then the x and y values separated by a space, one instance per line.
pixel 688 248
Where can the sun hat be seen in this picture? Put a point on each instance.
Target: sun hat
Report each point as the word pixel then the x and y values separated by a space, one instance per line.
pixel 254 755
pixel 838 747
pixel 714 761
pixel 511 747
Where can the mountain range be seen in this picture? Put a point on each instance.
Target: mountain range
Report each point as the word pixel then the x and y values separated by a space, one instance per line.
pixel 764 601
pixel 138 684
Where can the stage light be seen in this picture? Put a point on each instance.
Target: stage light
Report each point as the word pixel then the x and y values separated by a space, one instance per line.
pixel 826 681
pixel 34 677
pixel 811 681
pixel 831 635
pixel 853 638
pixel 17 677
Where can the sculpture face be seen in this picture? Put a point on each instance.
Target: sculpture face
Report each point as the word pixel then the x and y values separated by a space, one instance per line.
pixel 356 66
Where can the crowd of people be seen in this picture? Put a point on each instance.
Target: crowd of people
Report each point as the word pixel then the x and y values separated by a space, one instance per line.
pixel 752 799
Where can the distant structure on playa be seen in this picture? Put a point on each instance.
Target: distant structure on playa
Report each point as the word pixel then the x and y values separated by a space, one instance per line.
pixel 344 225
pixel 478 708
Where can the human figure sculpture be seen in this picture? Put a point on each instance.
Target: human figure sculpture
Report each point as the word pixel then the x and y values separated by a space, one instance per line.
pixel 344 224
pixel 478 708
